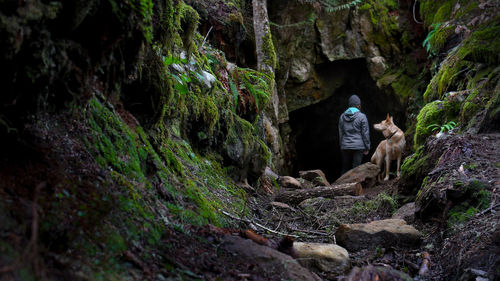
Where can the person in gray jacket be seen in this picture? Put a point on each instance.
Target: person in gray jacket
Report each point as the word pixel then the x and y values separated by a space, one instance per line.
pixel 354 135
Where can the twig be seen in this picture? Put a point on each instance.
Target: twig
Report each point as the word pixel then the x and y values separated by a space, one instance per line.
pixel 279 223
pixel 412 265
pixel 426 263
pixel 206 36
pixel 257 224
pixel 487 210
pixel 309 231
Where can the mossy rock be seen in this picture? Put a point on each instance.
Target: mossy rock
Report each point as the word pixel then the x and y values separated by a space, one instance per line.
pixel 431 113
pixel 414 169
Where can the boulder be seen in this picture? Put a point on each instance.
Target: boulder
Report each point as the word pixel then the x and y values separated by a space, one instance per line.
pixel 330 259
pixel 289 182
pixel 377 273
pixel 366 174
pixel 267 257
pixel 382 233
pixel 406 212
pixel 377 67
pixel 317 177
pixel 301 69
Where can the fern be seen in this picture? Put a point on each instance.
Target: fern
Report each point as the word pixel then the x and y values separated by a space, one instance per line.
pixel 442 128
pixel 334 5
pixel 427 42
pixel 335 8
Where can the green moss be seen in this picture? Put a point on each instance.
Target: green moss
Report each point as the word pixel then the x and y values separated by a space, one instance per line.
pixel 428 9
pixel 385 24
pixel 382 201
pixel 415 164
pixel 440 37
pixel 475 198
pixel 431 113
pixel 466 7
pixel 444 12
pixel 269 51
pixel 115 243
pixel 444 80
pixel 404 87
pixel 482 45
pixel 189 24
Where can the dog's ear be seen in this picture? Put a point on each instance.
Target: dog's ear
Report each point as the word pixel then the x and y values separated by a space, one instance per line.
pixel 391 120
pixel 388 117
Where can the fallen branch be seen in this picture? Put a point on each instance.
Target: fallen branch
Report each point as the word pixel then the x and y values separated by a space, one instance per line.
pixel 257 224
pixel 488 210
pixel 297 196
pixel 426 263
pixel 206 36
pixel 309 231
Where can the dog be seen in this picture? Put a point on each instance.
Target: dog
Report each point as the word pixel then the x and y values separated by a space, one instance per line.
pixel 391 148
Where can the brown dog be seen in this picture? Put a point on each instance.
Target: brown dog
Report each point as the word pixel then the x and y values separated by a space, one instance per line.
pixel 391 148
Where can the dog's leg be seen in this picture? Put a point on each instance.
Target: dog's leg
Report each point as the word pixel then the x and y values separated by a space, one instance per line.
pixel 387 159
pixel 399 163
pixel 387 163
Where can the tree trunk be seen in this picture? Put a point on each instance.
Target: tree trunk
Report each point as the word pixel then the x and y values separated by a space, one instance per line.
pixel 266 54
pixel 297 196
pixel 266 62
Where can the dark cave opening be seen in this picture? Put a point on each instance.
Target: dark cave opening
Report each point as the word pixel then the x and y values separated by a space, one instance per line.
pixel 314 140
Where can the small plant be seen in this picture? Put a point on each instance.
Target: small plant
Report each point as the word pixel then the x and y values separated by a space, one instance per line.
pixel 442 128
pixel 427 42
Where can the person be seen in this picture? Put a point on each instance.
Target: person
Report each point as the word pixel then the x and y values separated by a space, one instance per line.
pixel 354 135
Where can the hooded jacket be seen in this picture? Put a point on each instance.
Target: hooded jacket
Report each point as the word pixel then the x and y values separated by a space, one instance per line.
pixel 354 131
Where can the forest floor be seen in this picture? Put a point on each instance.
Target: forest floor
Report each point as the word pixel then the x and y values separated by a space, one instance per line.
pixel 186 252
pixel 464 250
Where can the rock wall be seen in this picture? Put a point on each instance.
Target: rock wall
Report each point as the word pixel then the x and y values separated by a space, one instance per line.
pixel 371 50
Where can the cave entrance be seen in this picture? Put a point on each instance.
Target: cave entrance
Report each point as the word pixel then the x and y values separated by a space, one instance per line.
pixel 314 140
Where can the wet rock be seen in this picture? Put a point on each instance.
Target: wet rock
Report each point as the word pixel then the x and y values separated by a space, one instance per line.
pixel 289 182
pixel 383 233
pixel 366 174
pixel 377 67
pixel 267 258
pixel 330 259
pixel 317 177
pixel 377 273
pixel 301 70
pixel 406 212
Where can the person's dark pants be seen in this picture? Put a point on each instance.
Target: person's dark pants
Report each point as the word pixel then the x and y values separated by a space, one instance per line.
pixel 351 159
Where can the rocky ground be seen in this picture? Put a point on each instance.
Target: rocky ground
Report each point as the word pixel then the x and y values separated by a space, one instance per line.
pixel 255 249
pixel 446 250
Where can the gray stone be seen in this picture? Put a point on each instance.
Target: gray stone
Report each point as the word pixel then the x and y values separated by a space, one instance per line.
pixel 406 212
pixel 317 177
pixel 383 233
pixel 377 273
pixel 377 67
pixel 289 182
pixel 329 259
pixel 267 258
pixel 366 174
pixel 301 70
